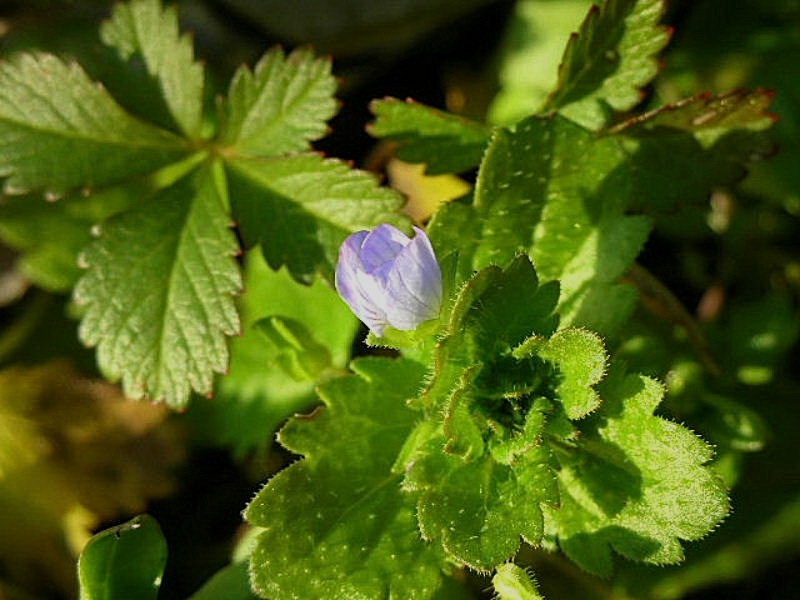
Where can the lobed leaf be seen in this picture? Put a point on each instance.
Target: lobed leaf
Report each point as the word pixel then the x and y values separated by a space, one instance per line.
pixel 280 106
pixel 445 142
pixel 158 292
pixel 143 29
pixel 638 483
pixel 608 61
pixel 301 208
pixel 60 131
pixel 335 523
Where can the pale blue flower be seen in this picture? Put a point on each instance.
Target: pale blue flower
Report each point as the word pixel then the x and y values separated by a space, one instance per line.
pixel 388 279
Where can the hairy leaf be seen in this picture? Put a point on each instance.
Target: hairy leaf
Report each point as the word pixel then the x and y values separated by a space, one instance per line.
pixel 158 293
pixel 301 208
pixel 514 583
pixel 444 142
pixel 280 106
pixel 142 29
pixel 336 524
pixel 636 483
pixel 608 60
pixel 59 130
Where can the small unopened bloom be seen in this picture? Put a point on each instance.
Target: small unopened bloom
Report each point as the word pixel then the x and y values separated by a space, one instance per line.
pixel 388 279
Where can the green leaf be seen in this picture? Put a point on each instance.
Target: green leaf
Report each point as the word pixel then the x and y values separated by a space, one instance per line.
pixel 229 583
pixel 312 203
pixel 532 46
pixel 253 398
pixel 514 583
pixel 722 133
pixel 636 483
pixel 445 142
pixel 479 509
pixel 158 293
pixel 60 131
pixel 609 60
pixel 279 107
pixel 295 349
pixel 581 361
pixel 126 561
pixel 543 189
pixel 51 235
pixel 482 466
pixel 335 523
pixel 142 29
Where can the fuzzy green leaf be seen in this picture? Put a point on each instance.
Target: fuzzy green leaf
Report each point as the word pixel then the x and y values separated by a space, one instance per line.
pixel 336 524
pixel 126 561
pixel 60 131
pixel 483 474
pixel 608 61
pixel 312 205
pixel 279 107
pixel 145 30
pixel 514 583
pixel 636 483
pixel 158 293
pixel 445 142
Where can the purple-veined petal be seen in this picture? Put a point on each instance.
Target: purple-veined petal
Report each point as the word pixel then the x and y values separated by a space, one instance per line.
pixel 413 285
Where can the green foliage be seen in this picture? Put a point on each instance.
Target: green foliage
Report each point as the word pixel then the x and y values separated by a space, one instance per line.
pixel 55 134
pixel 628 484
pixel 526 423
pixel 280 106
pixel 355 535
pixel 126 561
pixel 513 583
pixel 608 61
pixel 174 97
pixel 444 142
pixel 158 292
pixel 313 202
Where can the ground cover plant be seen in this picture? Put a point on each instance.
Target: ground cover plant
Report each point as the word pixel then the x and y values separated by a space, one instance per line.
pixel 529 338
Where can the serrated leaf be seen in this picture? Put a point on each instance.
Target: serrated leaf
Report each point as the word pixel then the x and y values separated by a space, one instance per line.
pixel 312 203
pixel 445 142
pixel 638 483
pixel 335 523
pixel 479 510
pixel 581 361
pixel 279 107
pixel 158 293
pixel 126 561
pixel 608 61
pixel 60 131
pixel 145 30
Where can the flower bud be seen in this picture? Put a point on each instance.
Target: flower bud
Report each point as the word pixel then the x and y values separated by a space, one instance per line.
pixel 388 279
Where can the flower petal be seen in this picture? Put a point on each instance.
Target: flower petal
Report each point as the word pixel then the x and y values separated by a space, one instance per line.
pixel 413 292
pixel 381 246
pixel 357 288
